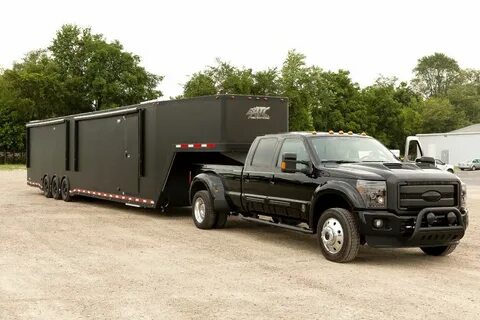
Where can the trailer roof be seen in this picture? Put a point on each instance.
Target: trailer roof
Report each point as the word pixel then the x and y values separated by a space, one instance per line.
pixel 146 104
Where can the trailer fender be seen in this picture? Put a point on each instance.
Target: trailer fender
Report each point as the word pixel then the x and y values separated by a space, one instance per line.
pixel 214 185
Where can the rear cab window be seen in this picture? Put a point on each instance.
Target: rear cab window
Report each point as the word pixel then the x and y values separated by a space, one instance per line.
pixel 264 153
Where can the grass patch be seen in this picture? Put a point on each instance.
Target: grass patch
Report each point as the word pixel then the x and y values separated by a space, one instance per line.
pixel 11 166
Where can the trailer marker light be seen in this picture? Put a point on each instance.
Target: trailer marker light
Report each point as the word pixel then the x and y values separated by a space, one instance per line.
pixel 152 202
pixel 123 198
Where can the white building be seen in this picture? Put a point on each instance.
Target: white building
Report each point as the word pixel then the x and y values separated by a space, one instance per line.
pixel 452 147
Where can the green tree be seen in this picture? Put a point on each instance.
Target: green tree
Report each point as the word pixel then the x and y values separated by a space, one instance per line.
pixel 385 112
pixel 98 74
pixel 296 84
pixel 200 84
pixel 339 105
pixel 466 96
pixel 435 74
pixel 224 78
pixel 439 115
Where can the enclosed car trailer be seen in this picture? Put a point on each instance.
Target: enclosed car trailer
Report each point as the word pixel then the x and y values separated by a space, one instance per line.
pixel 144 155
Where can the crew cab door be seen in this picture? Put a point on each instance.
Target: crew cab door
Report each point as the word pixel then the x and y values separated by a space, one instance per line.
pixel 291 193
pixel 257 176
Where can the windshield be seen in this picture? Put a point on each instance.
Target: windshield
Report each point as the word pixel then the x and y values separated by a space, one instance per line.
pixel 351 149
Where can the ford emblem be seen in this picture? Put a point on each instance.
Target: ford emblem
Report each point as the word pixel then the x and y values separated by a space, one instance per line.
pixel 431 196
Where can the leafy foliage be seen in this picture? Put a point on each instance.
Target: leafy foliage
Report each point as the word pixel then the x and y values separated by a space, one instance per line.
pixel 435 74
pixel 442 97
pixel 79 72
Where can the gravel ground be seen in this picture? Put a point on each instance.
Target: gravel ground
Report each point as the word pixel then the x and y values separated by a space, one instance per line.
pixel 94 259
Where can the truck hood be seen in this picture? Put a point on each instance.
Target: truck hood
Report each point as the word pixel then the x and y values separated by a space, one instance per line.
pixel 389 171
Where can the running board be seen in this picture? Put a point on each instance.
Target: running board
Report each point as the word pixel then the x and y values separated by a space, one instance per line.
pixel 279 225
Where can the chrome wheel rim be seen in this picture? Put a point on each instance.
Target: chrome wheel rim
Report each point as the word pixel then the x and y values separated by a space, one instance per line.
pixel 332 235
pixel 199 210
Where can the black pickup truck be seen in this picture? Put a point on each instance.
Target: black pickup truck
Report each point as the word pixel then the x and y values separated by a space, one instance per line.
pixel 346 188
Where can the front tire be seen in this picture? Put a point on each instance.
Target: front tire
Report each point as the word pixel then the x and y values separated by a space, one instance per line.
pixel 203 214
pixel 439 251
pixel 338 235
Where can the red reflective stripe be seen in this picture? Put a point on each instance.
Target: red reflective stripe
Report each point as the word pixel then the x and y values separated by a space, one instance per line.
pixel 211 145
pixel 197 145
pixel 184 146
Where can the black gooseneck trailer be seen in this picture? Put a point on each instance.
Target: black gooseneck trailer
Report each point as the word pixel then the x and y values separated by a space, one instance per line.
pixel 144 155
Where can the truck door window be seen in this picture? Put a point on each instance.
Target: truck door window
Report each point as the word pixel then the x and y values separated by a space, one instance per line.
pixel 263 156
pixel 296 146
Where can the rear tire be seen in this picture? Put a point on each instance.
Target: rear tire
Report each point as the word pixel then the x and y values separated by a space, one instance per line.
pixel 47 190
pixel 474 168
pixel 439 251
pixel 203 214
pixel 65 190
pixel 56 193
pixel 450 170
pixel 338 235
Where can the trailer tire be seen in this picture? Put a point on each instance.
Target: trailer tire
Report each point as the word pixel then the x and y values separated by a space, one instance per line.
pixel 65 190
pixel 47 190
pixel 222 218
pixel 203 214
pixel 56 193
pixel 439 251
pixel 338 235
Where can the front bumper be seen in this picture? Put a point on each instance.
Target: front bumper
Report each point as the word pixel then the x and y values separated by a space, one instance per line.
pixel 413 230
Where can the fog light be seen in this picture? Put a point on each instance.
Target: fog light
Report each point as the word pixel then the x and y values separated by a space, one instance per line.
pixel 451 217
pixel 431 218
pixel 378 223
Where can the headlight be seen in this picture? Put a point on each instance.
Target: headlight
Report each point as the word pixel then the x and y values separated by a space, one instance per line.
pixel 463 196
pixel 374 193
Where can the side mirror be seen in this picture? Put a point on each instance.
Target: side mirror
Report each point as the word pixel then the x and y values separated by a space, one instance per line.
pixel 428 160
pixel 289 164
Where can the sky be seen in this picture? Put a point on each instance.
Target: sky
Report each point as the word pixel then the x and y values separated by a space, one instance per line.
pixel 178 38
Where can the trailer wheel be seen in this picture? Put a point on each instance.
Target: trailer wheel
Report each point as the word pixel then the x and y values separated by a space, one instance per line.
pixel 221 220
pixel 439 251
pixel 338 235
pixel 56 193
pixel 203 214
pixel 47 190
pixel 65 190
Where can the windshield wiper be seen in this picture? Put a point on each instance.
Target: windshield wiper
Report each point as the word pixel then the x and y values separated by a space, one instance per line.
pixel 338 161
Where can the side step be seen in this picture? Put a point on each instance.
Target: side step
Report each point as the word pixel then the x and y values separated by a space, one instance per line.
pixel 279 225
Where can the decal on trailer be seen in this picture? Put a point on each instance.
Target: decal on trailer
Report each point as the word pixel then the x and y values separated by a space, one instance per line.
pixel 258 113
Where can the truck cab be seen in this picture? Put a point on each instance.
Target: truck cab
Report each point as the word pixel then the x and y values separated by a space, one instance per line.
pixel 346 188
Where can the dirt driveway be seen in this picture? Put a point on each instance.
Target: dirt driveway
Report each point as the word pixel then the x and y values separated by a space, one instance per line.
pixel 94 259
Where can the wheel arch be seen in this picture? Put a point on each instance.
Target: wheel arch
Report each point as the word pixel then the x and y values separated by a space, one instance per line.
pixel 212 183
pixel 339 195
